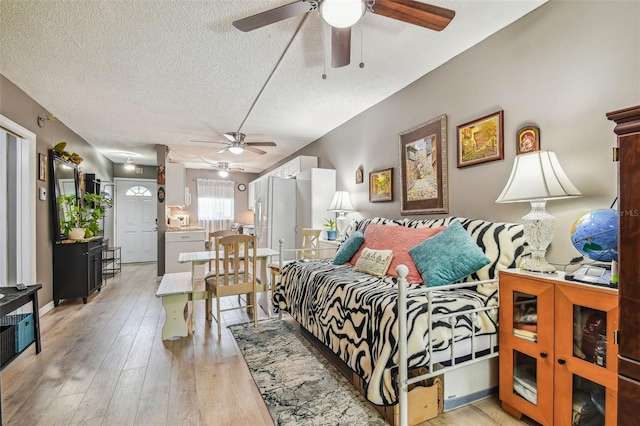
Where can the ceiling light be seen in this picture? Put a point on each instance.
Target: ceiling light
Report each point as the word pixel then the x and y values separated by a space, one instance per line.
pixel 236 149
pixel 223 173
pixel 341 13
pixel 128 165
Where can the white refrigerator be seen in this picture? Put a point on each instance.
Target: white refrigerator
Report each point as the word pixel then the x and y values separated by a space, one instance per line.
pixel 275 213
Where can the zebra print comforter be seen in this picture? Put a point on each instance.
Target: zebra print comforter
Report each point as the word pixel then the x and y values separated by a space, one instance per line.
pixel 355 315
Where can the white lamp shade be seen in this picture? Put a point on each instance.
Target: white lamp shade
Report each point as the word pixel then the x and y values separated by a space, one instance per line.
pixel 341 202
pixel 537 176
pixel 341 13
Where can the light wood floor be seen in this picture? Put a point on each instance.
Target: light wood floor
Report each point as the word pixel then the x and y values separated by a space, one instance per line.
pixel 104 363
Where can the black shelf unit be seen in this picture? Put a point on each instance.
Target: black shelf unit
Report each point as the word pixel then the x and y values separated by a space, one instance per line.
pixel 77 269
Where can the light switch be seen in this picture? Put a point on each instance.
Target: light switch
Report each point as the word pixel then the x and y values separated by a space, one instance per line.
pixel 43 193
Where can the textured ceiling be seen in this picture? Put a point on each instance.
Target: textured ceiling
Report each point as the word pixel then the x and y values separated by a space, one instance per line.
pixel 128 75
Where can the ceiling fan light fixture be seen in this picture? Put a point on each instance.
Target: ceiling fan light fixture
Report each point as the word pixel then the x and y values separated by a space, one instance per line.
pixel 342 13
pixel 129 165
pixel 235 149
pixel 223 173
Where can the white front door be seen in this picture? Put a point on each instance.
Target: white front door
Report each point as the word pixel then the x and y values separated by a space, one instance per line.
pixel 136 225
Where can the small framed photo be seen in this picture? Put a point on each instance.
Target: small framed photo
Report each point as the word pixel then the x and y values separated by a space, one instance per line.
pixel 381 185
pixel 359 175
pixel 528 140
pixel 481 140
pixel 42 167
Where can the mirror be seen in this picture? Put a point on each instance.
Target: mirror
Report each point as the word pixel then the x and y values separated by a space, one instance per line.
pixel 64 181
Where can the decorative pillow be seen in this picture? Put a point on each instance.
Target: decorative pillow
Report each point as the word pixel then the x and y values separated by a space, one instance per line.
pixel 448 256
pixel 374 262
pixel 400 240
pixel 348 248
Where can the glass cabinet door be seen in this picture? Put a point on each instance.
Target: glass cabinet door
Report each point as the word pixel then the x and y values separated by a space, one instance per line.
pixel 585 355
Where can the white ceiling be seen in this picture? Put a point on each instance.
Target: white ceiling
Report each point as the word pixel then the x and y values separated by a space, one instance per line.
pixel 126 76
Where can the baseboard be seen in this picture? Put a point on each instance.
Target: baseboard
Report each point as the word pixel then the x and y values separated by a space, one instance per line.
pixel 453 403
pixel 46 308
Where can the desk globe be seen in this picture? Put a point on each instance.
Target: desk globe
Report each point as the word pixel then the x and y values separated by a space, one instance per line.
pixel 595 235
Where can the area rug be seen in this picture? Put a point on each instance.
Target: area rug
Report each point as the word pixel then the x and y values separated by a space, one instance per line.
pixel 299 386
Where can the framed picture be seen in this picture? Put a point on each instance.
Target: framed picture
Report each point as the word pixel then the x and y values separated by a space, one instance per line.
pixel 528 140
pixel 42 166
pixel 359 175
pixel 423 168
pixel 481 140
pixel 381 185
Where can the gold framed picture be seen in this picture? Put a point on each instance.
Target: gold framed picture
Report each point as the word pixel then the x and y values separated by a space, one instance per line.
pixel 481 140
pixel 381 185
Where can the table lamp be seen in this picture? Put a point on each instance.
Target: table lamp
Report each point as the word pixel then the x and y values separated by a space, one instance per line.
pixel 537 177
pixel 341 203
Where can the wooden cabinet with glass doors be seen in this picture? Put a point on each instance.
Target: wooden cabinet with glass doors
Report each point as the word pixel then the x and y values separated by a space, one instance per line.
pixel 558 360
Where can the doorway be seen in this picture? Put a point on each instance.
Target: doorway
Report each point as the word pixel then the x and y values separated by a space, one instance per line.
pixel 136 223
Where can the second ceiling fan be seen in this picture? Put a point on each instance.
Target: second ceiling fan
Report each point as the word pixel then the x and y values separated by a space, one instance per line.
pixel 342 14
pixel 236 144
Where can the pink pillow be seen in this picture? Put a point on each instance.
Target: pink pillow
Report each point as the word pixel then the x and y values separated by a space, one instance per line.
pixel 399 239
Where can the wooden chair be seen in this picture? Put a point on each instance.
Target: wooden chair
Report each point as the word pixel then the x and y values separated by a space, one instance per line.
pixel 308 250
pixel 235 274
pixel 213 237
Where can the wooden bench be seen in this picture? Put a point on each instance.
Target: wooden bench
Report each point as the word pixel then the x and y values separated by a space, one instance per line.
pixel 176 290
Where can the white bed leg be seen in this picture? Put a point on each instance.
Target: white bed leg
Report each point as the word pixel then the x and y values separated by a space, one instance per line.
pixel 403 374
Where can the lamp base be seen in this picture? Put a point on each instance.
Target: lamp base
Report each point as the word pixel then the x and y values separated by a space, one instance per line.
pixel 341 225
pixel 538 233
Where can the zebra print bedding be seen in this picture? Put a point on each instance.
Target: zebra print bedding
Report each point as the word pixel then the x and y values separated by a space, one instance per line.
pixel 355 315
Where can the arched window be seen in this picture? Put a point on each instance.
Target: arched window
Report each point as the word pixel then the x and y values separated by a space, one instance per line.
pixel 138 191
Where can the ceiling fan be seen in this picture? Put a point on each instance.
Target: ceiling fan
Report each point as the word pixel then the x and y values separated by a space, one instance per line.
pixel 224 168
pixel 342 14
pixel 236 144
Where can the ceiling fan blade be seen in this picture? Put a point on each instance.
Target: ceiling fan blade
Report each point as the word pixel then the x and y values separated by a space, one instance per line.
pixel 255 150
pixel 223 150
pixel 340 46
pixel 231 136
pixel 223 143
pixel 260 143
pixel 235 170
pixel 424 15
pixel 274 15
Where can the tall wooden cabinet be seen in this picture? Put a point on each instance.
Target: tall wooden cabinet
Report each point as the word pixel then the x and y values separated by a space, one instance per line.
pixel 628 131
pixel 557 352
pixel 77 269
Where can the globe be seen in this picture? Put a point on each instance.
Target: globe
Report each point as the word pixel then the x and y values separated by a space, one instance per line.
pixel 595 235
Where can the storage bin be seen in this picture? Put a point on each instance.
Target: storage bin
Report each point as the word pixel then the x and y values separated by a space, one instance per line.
pixel 24 329
pixel 7 343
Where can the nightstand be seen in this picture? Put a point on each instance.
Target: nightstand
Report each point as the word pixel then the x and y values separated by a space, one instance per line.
pixel 558 356
pixel 328 248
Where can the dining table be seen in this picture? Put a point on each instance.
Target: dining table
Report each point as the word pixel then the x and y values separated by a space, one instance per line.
pixel 263 255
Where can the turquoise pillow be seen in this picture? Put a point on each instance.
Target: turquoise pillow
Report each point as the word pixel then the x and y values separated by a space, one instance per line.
pixel 448 256
pixel 349 248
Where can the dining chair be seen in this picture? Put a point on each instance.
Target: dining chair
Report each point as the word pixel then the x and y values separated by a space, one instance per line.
pixel 308 250
pixel 235 274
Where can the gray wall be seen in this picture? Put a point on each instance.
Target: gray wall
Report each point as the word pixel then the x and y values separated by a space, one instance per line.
pixel 20 108
pixel 561 67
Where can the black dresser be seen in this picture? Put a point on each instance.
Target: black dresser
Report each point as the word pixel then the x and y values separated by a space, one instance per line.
pixel 77 269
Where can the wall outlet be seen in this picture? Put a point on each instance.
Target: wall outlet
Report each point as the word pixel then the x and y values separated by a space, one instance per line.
pixel 43 193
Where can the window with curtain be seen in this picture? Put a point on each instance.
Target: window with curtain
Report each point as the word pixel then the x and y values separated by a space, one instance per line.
pixel 215 204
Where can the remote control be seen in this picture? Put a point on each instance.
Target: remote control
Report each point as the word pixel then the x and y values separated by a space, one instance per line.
pixel 21 286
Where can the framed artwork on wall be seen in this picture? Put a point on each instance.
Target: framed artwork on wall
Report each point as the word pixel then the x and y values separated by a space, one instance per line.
pixel 359 175
pixel 423 168
pixel 481 140
pixel 42 166
pixel 528 140
pixel 381 185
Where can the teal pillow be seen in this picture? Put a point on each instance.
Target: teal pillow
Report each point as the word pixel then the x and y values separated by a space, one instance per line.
pixel 448 256
pixel 349 248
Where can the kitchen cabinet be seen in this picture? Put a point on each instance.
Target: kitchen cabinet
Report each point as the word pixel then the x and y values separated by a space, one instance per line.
pixel 77 269
pixel 176 192
pixel 558 359
pixel 628 130
pixel 177 242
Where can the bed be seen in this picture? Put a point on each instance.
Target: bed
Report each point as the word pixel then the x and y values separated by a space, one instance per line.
pixel 361 317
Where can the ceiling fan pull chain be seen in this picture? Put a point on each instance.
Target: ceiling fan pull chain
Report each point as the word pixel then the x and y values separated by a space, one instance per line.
pixel 362 41
pixel 324 50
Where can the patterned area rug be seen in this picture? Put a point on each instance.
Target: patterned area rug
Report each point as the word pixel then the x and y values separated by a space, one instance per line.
pixel 299 386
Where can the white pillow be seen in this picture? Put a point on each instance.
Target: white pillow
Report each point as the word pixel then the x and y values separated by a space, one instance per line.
pixel 374 262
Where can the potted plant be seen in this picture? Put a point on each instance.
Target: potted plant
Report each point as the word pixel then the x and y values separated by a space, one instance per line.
pixel 330 224
pixel 82 219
